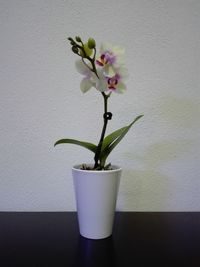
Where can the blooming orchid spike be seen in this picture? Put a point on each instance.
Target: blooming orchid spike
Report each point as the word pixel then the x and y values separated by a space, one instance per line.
pixel 106 72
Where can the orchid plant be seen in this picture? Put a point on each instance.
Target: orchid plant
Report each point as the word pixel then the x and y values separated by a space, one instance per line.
pixel 107 73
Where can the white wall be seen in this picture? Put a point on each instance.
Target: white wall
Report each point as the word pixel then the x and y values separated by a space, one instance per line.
pixel 40 102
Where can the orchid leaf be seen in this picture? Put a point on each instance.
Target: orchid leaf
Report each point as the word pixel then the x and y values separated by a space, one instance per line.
pixel 113 139
pixel 87 145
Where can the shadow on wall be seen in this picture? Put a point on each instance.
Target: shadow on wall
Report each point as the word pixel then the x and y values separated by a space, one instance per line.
pixel 149 189
pixel 180 111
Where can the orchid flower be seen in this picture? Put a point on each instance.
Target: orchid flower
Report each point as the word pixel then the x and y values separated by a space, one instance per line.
pixel 110 58
pixel 115 84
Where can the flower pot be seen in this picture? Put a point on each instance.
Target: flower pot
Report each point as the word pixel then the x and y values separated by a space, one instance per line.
pixel 96 194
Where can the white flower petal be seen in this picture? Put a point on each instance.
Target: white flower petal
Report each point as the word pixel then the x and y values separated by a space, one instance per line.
pixel 81 68
pixel 123 72
pixel 101 86
pixel 85 85
pixel 109 70
pixel 121 87
pixel 101 82
pixel 105 47
pixel 118 50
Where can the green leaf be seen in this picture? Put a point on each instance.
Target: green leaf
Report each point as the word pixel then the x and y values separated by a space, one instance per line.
pixel 87 145
pixel 113 139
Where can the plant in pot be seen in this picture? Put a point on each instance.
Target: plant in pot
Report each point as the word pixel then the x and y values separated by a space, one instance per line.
pixel 96 184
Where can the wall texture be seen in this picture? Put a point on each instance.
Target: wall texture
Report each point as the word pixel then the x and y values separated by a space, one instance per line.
pixel 40 102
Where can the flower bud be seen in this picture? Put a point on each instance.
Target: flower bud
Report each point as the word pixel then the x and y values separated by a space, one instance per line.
pixel 71 41
pixel 91 43
pixel 75 49
pixel 78 39
pixel 88 51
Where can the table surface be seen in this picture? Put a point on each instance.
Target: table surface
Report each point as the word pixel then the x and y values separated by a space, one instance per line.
pixel 139 239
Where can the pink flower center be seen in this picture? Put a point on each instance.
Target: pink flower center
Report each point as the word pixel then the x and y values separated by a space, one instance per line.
pixel 102 61
pixel 113 81
pixel 106 58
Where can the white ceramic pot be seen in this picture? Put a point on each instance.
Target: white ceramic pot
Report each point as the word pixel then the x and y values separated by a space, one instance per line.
pixel 96 194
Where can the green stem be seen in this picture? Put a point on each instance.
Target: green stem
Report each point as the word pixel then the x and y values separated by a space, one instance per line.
pixel 98 151
pixel 105 96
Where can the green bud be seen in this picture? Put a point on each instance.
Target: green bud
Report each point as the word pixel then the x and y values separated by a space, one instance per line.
pixel 88 51
pixel 78 39
pixel 91 43
pixel 75 49
pixel 71 41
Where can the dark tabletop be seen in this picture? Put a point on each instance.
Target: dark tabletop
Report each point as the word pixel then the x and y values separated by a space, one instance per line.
pixel 139 239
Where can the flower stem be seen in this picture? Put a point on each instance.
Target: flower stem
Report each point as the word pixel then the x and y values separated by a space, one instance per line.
pixel 98 151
